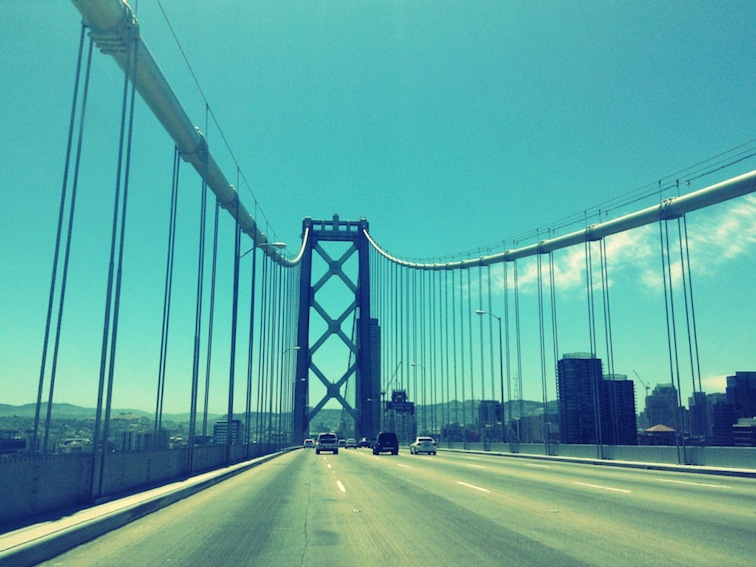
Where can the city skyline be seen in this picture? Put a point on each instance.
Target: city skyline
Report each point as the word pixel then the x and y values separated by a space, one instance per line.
pixel 450 129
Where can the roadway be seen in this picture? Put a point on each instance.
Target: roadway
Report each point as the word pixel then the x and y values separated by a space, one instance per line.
pixel 355 508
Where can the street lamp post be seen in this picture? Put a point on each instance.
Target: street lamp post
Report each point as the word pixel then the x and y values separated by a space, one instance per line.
pixel 281 394
pixel 504 436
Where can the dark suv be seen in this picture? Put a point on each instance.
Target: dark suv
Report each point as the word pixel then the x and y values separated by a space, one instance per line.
pixel 386 442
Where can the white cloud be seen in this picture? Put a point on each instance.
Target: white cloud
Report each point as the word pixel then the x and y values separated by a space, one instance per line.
pixel 714 384
pixel 716 236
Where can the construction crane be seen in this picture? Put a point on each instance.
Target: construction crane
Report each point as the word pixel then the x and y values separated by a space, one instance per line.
pixel 642 382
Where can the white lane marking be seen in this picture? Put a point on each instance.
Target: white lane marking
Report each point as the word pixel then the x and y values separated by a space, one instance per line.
pixel 329 465
pixel 476 466
pixel 539 466
pixel 712 485
pixel 403 466
pixel 340 485
pixel 603 487
pixel 473 486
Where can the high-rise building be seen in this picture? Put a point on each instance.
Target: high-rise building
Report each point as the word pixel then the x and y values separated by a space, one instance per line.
pixel 220 432
pixel 578 383
pixel 699 415
pixel 739 403
pixel 400 417
pixel 594 408
pixel 490 419
pixel 489 412
pixel 662 407
pixel 618 423
pixel 741 394
pixel 723 418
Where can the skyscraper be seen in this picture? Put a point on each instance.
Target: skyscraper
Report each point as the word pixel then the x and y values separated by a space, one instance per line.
pixel 594 408
pixel 578 379
pixel 618 424
pixel 662 407
pixel 741 393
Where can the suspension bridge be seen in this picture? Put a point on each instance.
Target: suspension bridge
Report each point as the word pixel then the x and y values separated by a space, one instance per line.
pixel 442 348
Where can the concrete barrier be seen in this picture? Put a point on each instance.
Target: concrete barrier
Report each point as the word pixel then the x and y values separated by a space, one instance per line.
pixel 43 484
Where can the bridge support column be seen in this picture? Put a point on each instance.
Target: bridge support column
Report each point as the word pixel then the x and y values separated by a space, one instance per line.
pixel 362 339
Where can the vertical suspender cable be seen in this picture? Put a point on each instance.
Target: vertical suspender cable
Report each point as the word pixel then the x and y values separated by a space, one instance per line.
pixel 197 324
pixel 167 292
pixel 423 327
pixel 230 430
pixel 542 339
pixel 508 358
pixel 266 351
pixel 592 335
pixel 127 131
pixel 282 346
pixel 697 371
pixel 518 378
pixel 446 386
pixel 684 272
pixel 271 345
pixel 607 305
pixel 470 313
pixel 414 298
pixel 210 322
pixel 278 348
pixel 462 376
pixel 612 394
pixel 266 322
pixel 589 297
pixel 491 336
pixel 263 326
pixel 398 328
pixel 433 339
pixel 61 214
pixel 480 325
pixel 555 342
pixel 455 368
pixel 406 329
pixel 674 362
pixel 250 354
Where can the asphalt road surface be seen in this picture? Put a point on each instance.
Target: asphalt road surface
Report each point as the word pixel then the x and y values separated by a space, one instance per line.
pixel 458 509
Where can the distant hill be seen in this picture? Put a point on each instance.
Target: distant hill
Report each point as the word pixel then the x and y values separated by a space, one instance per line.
pixel 327 419
pixel 68 411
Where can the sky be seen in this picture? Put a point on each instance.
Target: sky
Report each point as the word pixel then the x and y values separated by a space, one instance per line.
pixel 455 128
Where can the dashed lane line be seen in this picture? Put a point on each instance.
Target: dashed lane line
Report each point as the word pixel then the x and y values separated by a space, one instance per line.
pixel 603 487
pixel 481 489
pixel 709 484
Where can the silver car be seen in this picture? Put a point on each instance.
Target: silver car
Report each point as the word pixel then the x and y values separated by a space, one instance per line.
pixel 327 442
pixel 423 445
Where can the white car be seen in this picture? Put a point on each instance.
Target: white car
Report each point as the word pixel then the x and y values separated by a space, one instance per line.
pixel 351 442
pixel 423 445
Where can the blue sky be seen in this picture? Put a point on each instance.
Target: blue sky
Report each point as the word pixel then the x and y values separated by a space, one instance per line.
pixel 450 126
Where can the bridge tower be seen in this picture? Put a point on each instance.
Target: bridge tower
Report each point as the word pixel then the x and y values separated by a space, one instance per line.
pixel 362 340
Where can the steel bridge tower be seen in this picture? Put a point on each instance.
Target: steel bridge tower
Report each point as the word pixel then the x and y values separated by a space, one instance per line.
pixel 363 346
